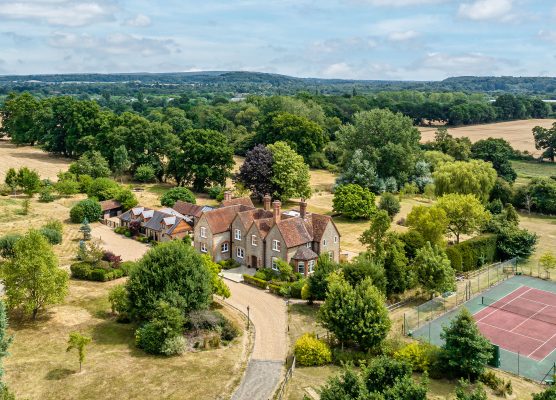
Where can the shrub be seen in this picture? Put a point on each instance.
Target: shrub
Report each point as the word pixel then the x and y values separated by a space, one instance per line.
pixel 204 320
pixel 99 275
pixel 255 281
pixel 120 230
pixel 296 288
pixel 81 270
pixel 119 302
pixel 178 193
pixel 266 274
pixel 229 263
pixel 175 345
pixel 350 356
pixel 354 201
pixel 419 355
pixel 88 208
pixel 491 380
pixel 228 330
pixel 7 244
pixel 390 204
pixel 150 338
pixel 144 173
pixel 473 253
pixel 217 192
pixel 127 266
pixel 310 351
pixel 53 236
pixel 167 323
pixel 46 196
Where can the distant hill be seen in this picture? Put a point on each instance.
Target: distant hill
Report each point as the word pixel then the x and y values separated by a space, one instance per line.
pixel 264 83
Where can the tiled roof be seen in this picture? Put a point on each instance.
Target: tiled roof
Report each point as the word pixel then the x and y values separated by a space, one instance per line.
pixel 220 219
pixel 264 226
pixel 244 201
pixel 112 204
pixel 247 217
pixel 185 208
pixel 304 254
pixel 294 231
pixel 319 223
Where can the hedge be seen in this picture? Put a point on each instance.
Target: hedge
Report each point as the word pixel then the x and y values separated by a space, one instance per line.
pixel 84 270
pixel 255 281
pixel 473 253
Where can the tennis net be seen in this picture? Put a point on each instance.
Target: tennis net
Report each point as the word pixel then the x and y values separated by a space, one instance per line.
pixel 547 314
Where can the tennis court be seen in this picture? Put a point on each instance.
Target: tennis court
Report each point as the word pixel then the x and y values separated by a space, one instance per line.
pixel 519 315
pixel 524 322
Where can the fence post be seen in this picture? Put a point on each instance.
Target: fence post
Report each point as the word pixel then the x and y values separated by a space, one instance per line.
pixel 518 356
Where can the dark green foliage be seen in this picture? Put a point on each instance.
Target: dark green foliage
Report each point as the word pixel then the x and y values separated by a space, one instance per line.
pixel 498 152
pixel 539 195
pixel 389 203
pixel 81 270
pixel 28 180
pixel 103 189
pixel 172 272
pixel 466 350
pixel 88 208
pixel 46 196
pixel 216 192
pixel 364 266
pixel 5 341
pixel 495 206
pixel 167 322
pixel 399 276
pixel 433 270
pixel 354 201
pixel 212 321
pixel 318 280
pixel 52 235
pixel 7 244
pixel 473 253
pixel 463 392
pixel 545 139
pixel 413 241
pixel 170 197
pixel 515 242
pixel 502 191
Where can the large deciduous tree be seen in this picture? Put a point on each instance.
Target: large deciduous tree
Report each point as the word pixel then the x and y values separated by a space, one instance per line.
pixel 172 272
pixel 290 175
pixel 31 277
pixel 545 139
pixel 91 163
pixel 498 152
pixel 474 177
pixel 388 140
pixel 203 159
pixel 120 161
pixel 433 270
pixel 359 171
pixel 375 235
pixel 430 222
pixel 465 213
pixel 256 171
pixel 357 315
pixel 301 134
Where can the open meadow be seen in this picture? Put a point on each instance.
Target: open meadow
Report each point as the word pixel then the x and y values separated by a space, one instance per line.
pixel 518 133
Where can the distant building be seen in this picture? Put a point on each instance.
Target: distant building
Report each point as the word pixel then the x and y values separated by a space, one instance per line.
pixel 159 225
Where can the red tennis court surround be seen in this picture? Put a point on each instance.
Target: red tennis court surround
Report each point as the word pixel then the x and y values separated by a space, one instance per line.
pixel 523 322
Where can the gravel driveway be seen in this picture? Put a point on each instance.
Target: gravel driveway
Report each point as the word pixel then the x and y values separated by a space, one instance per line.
pixel 268 314
pixel 128 249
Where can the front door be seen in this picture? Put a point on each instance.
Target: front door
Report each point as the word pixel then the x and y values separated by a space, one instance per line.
pixel 254 261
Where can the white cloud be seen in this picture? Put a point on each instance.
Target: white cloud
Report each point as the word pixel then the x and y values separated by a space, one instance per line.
pixel 486 9
pixel 343 45
pixel 337 70
pixel 113 44
pixel 56 12
pixel 140 20
pixel 548 36
pixel 461 64
pixel 402 36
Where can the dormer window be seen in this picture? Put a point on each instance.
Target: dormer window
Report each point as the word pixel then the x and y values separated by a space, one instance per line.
pixel 237 234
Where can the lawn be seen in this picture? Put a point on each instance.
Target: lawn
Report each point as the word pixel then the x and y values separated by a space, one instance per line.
pixel 39 367
pixel 545 227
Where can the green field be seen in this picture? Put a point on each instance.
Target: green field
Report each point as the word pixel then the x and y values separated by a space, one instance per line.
pixel 527 170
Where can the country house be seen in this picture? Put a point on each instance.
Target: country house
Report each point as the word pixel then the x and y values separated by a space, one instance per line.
pixel 257 237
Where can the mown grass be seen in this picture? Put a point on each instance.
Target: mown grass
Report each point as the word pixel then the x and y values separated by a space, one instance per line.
pixel 527 170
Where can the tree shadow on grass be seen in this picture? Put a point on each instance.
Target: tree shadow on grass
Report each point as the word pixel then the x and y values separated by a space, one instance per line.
pixel 57 374
pixel 110 332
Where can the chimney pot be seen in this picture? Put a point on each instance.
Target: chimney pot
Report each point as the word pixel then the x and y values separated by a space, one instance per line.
pixel 266 202
pixel 277 211
pixel 303 208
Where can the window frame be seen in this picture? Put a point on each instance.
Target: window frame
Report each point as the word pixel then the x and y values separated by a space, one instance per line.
pixel 276 245
pixel 237 234
pixel 204 247
pixel 203 232
pixel 227 247
pixel 254 240
pixel 238 251
pixel 311 267
pixel 274 263
pixel 301 264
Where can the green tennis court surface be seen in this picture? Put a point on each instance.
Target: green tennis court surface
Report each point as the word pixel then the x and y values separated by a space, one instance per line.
pixel 519 315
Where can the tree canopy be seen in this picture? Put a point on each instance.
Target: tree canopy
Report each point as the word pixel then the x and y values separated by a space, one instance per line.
pixel 474 177
pixel 290 175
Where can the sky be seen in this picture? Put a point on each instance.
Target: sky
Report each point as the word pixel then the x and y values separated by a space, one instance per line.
pixel 351 39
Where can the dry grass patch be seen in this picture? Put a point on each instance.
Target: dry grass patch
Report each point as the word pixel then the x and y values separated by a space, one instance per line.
pixel 545 227
pixel 40 368
pixel 13 156
pixel 518 133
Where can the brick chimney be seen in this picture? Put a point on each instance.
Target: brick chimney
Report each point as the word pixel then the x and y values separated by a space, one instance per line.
pixel 302 208
pixel 266 202
pixel 227 195
pixel 277 210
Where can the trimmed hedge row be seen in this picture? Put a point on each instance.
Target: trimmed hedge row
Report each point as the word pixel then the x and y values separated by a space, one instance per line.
pixel 473 253
pixel 255 281
pixel 84 270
